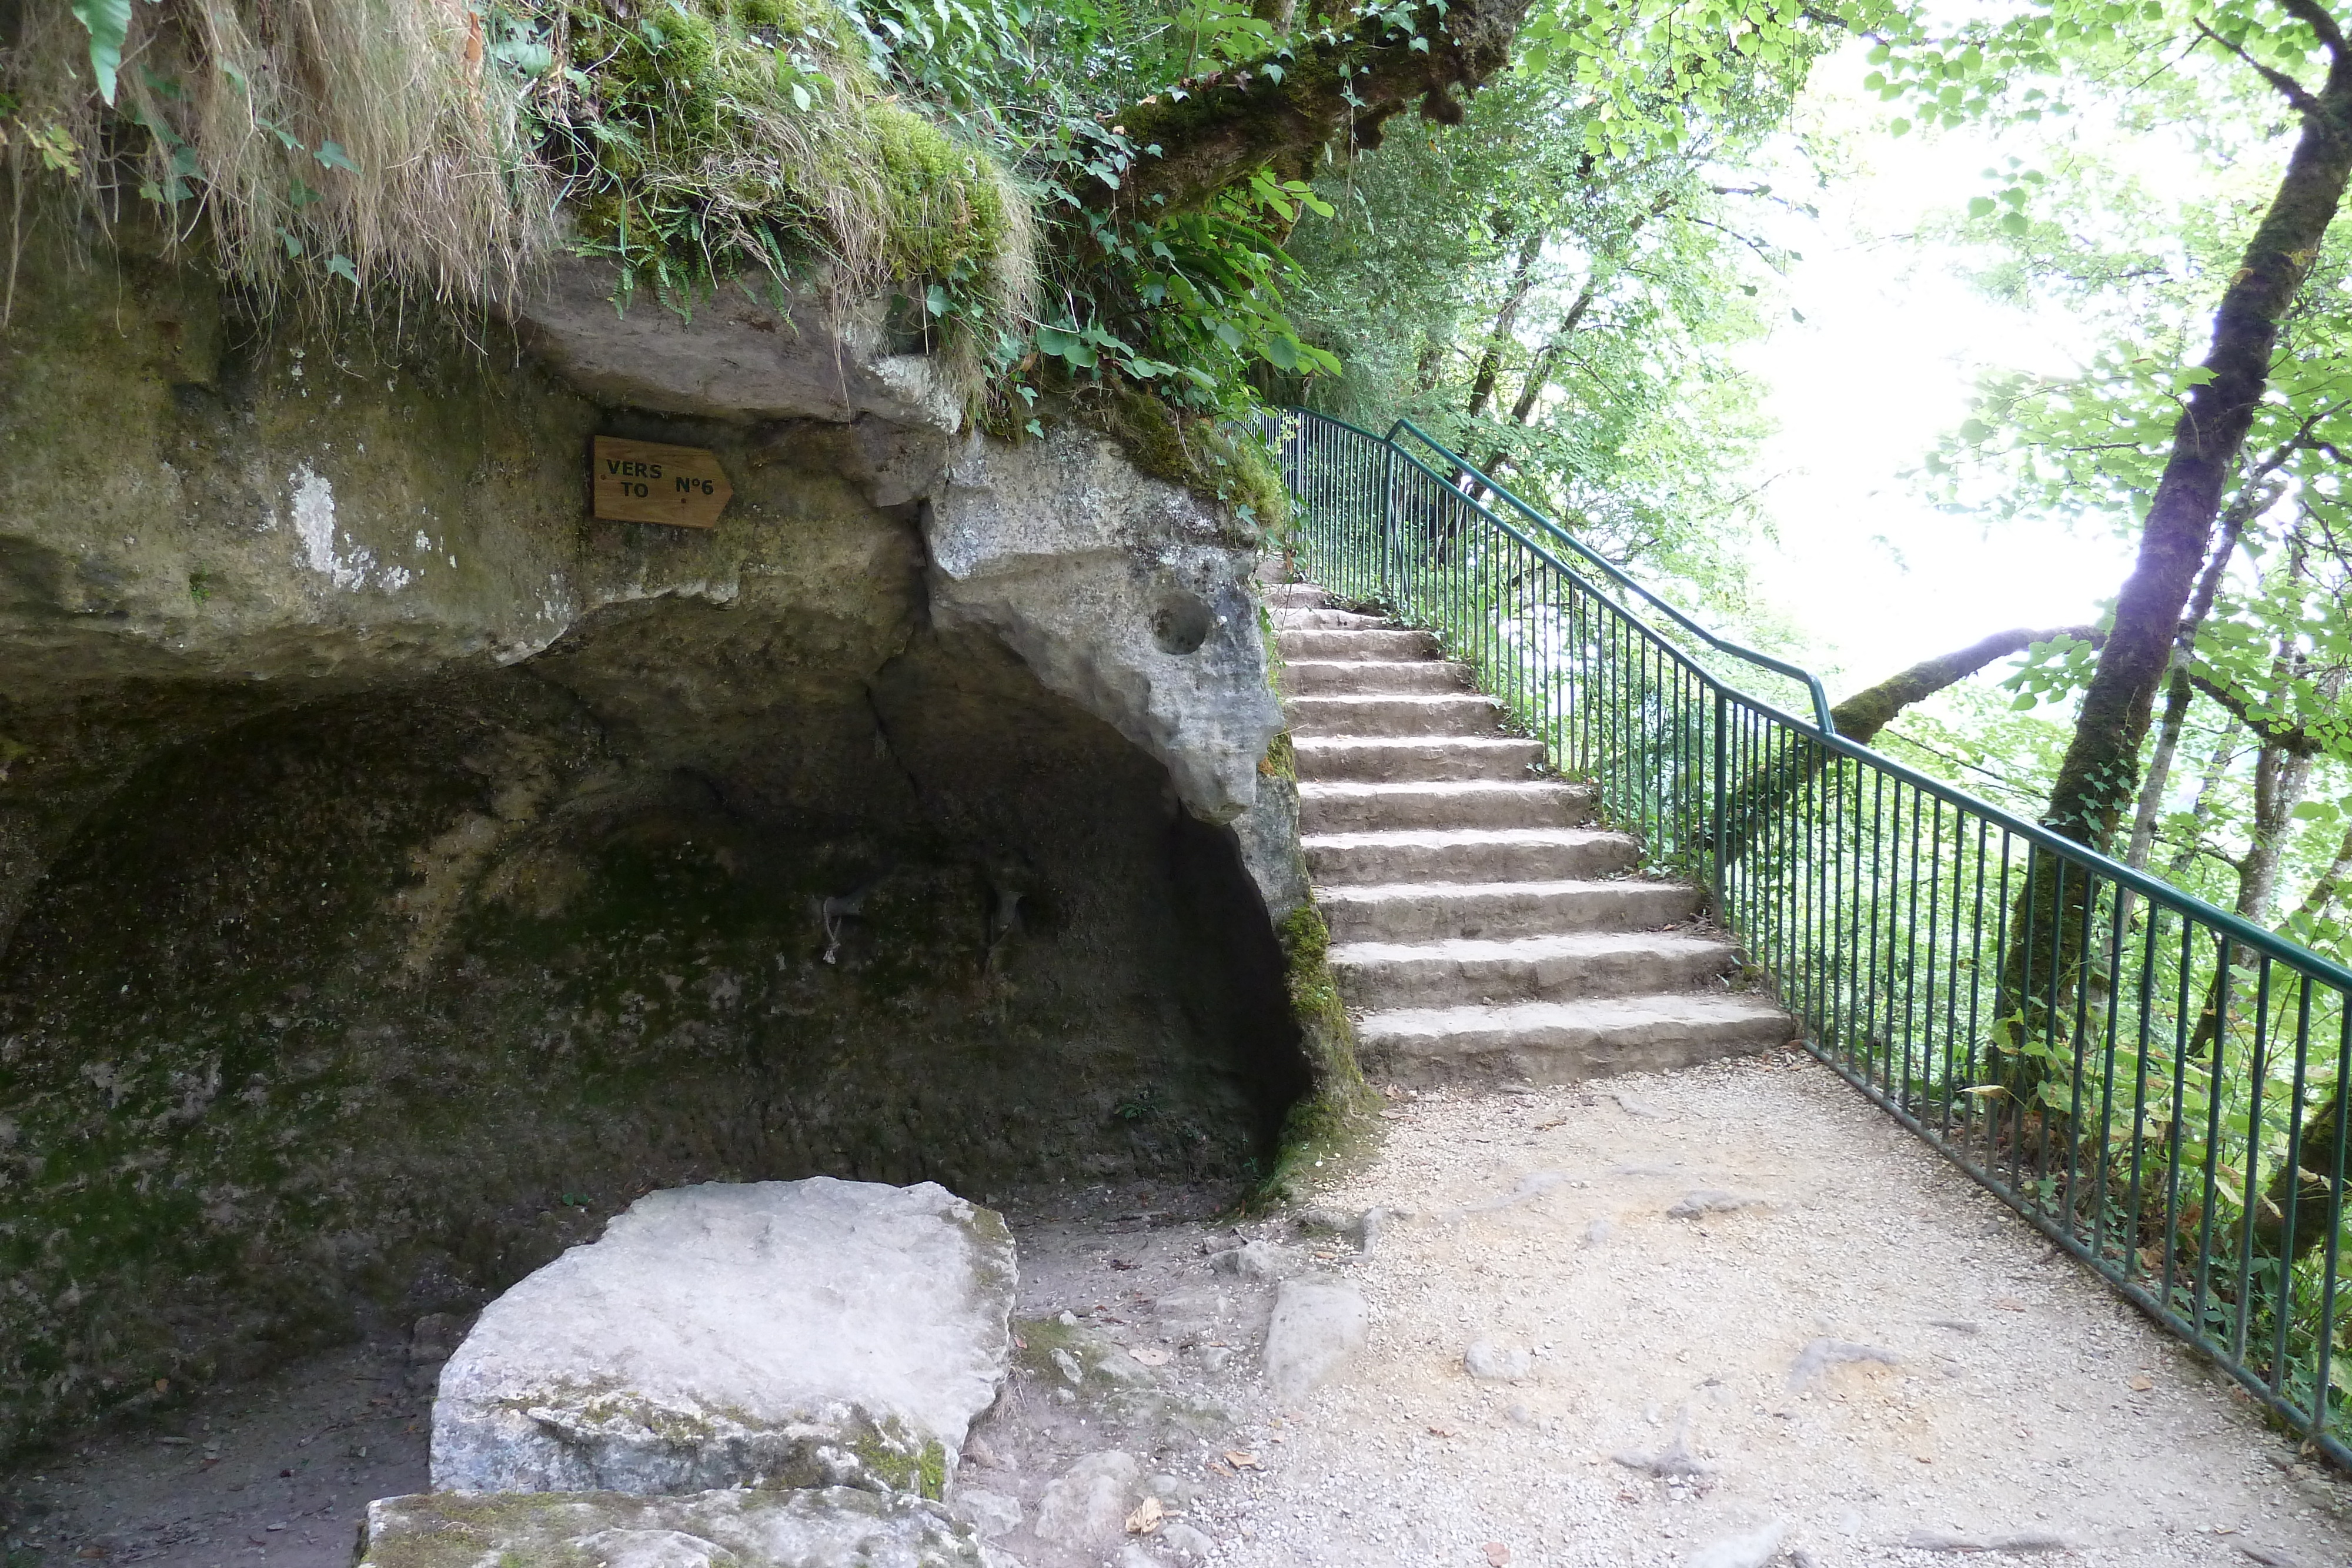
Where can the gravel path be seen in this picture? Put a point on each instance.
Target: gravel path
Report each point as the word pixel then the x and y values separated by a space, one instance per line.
pixel 1713 1306
pixel 1837 1337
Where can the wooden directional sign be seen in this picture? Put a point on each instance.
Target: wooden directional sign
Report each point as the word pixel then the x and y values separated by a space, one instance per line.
pixel 645 482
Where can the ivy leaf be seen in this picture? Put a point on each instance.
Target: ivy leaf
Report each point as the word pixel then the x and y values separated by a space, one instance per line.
pixel 1068 347
pixel 341 266
pixel 109 24
pixel 330 155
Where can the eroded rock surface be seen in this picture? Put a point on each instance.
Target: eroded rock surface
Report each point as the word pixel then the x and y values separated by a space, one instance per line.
pixel 837 1526
pixel 808 1333
pixel 738 356
pixel 368 813
pixel 1126 594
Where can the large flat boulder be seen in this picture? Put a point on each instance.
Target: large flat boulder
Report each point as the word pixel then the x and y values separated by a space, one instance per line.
pixel 839 1527
pixel 777 1335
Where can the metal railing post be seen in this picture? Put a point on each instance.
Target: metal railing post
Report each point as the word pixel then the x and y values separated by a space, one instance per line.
pixel 1717 873
pixel 1391 568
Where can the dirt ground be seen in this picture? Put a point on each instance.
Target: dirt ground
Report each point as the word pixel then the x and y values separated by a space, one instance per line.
pixel 1850 1342
pixel 1726 1317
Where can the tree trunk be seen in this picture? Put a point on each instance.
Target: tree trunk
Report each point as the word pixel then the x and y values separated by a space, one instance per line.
pixel 1338 87
pixel 2101 768
pixel 2282 776
pixel 1490 358
pixel 1539 371
pixel 1430 365
pixel 2178 693
pixel 2319 1148
pixel 1548 358
pixel 2281 780
pixel 2217 767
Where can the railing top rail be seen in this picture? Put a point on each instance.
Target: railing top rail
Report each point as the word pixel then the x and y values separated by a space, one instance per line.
pixel 1778 666
pixel 2241 932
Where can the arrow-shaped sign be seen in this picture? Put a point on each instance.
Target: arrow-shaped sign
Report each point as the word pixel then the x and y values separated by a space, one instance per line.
pixel 646 482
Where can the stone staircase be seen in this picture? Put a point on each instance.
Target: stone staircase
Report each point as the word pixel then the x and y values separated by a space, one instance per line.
pixel 1481 930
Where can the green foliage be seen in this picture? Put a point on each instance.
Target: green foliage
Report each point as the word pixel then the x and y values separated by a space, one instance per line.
pixel 390 141
pixel 2084 214
pixel 1567 323
pixel 944 149
pixel 1648 89
pixel 1189 301
pixel 108 24
pixel 2052 671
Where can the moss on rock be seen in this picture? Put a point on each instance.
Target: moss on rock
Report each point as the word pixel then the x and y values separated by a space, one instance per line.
pixel 1201 452
pixel 1334 1121
pixel 692 142
pixel 727 140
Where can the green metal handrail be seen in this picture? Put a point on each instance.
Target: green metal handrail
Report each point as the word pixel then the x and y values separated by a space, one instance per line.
pixel 2148 1079
pixel 1608 568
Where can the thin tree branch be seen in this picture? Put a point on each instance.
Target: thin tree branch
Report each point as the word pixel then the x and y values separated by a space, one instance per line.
pixel 1756 246
pixel 2294 91
pixel 2290 739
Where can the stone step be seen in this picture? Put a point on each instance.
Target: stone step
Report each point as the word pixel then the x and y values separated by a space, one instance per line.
pixel 1394 759
pixel 1469 855
pixel 1372 677
pixel 1501 911
pixel 1367 644
pixel 1323 619
pixel 1443 713
pixel 1295 596
pixel 1562 1042
pixel 1330 807
pixel 1466 973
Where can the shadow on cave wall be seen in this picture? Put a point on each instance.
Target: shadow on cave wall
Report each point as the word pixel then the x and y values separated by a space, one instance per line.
pixel 370 1006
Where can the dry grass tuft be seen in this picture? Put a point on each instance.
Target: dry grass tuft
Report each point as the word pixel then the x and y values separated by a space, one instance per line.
pixel 360 138
pixel 409 146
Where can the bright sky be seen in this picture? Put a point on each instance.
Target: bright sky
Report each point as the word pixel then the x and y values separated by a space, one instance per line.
pixel 1882 363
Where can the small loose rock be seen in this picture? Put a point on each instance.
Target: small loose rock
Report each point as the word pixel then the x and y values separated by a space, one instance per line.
pixel 1490 1361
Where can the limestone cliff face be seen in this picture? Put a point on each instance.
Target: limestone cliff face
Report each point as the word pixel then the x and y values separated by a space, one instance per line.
pixel 400 871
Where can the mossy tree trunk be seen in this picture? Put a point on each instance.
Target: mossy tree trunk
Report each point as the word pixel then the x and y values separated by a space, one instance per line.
pixel 1860 717
pixel 2097 778
pixel 1283 112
